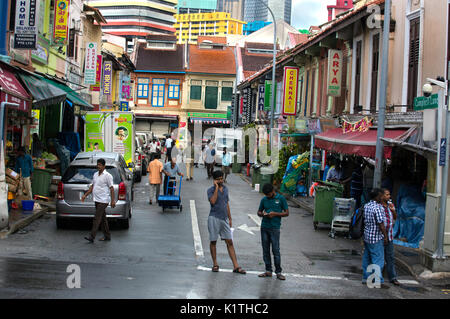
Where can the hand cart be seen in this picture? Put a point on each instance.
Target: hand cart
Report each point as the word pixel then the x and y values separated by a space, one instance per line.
pixel 171 199
pixel 343 209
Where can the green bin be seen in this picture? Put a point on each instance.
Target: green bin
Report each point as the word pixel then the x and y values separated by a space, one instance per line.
pixel 265 177
pixel 42 179
pixel 255 175
pixel 236 168
pixel 323 202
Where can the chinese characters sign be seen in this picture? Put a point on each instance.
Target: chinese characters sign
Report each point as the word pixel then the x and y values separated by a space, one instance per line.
pixel 107 78
pixel 26 27
pixel 290 90
pixel 90 63
pixel 60 25
pixel 362 125
pixel 334 73
pixel 98 74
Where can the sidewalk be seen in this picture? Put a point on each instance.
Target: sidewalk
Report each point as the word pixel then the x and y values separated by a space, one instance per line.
pixel 408 259
pixel 19 219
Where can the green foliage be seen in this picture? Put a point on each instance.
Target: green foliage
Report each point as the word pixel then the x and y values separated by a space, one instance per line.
pixel 285 153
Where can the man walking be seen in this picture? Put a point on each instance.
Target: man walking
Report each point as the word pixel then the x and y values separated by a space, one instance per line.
pixel 389 255
pixel 24 166
pixel 220 222
pixel 169 144
pixel 103 190
pixel 226 162
pixel 272 208
pixel 154 170
pixel 170 169
pixel 210 159
pixel 375 237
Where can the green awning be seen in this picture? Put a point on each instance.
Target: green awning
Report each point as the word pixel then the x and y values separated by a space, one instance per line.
pixel 43 93
pixel 73 96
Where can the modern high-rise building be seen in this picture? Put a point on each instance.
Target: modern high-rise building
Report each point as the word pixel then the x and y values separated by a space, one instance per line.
pixel 137 18
pixel 233 7
pixel 196 6
pixel 255 11
pixel 341 6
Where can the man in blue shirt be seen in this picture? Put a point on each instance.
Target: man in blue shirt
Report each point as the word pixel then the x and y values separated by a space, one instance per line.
pixel 272 208
pixel 170 169
pixel 24 165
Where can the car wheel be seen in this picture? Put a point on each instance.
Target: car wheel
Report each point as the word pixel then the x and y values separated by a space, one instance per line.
pixel 125 223
pixel 60 223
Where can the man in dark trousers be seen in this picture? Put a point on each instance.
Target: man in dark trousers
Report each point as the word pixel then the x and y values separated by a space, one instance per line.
pixel 272 208
pixel 103 191
pixel 219 221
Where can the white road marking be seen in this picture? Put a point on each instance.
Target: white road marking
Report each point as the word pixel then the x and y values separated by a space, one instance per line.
pixel 247 229
pixel 195 231
pixel 256 219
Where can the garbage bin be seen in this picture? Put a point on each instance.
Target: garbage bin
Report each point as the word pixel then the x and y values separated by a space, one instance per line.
pixel 324 202
pixel 42 179
pixel 255 174
pixel 265 177
pixel 236 168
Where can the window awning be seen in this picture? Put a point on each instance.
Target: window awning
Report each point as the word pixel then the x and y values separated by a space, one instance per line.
pixel 355 143
pixel 209 120
pixel 12 91
pixel 73 96
pixel 43 92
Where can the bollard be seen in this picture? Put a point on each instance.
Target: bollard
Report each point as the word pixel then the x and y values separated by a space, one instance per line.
pixel 248 169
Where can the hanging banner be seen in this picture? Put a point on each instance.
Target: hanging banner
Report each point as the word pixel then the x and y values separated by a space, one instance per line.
pixel 123 135
pixel 98 74
pixel 90 64
pixel 261 96
pixel 334 84
pixel 107 78
pixel 268 95
pixel 61 23
pixel 94 134
pixel 290 90
pixel 26 27
pixel 362 125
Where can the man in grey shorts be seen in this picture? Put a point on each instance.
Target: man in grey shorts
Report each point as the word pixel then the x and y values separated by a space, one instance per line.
pixel 219 221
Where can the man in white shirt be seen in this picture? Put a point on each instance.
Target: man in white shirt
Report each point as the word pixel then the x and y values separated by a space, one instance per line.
pixel 169 143
pixel 103 191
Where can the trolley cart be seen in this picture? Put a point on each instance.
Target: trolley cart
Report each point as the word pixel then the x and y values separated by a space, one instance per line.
pixel 343 209
pixel 171 199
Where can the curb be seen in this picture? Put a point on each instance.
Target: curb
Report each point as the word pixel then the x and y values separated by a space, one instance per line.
pixel 22 223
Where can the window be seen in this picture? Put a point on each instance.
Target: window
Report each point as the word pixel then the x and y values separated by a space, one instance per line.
pixel 413 65
pixel 158 92
pixel 375 63
pixel 196 89
pixel 227 91
pixel 211 94
pixel 358 74
pixel 143 88
pixel 174 89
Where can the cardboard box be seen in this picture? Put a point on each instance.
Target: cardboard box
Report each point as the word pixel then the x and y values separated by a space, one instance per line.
pixel 12 181
pixel 12 174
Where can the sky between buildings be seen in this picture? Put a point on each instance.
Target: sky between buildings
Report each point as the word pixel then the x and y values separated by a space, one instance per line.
pixel 306 13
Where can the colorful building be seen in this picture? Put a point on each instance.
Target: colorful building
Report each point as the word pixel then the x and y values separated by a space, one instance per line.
pixel 190 26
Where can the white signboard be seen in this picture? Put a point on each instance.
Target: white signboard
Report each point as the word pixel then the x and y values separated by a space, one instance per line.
pixel 26 28
pixel 334 73
pixel 90 63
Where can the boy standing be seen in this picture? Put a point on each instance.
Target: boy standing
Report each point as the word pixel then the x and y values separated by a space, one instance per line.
pixel 155 169
pixel 272 208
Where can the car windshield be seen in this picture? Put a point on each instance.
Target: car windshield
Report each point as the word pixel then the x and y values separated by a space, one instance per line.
pixel 85 174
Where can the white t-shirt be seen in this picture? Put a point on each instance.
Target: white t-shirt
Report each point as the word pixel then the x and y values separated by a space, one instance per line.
pixel 101 190
pixel 153 147
pixel 169 142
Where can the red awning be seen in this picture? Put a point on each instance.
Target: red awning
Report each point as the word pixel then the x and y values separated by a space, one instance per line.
pixel 12 91
pixel 355 143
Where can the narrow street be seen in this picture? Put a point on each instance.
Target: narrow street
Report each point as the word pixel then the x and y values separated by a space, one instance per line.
pixel 161 256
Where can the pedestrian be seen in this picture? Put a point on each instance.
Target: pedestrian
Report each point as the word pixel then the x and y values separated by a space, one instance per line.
pixel 220 222
pixel 356 184
pixel 210 159
pixel 375 237
pixel 226 162
pixel 154 170
pixel 169 145
pixel 272 208
pixel 335 173
pixel 24 166
pixel 391 216
pixel 153 148
pixel 170 169
pixel 103 191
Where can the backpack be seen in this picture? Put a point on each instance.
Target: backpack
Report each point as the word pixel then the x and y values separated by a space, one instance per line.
pixel 213 152
pixel 357 224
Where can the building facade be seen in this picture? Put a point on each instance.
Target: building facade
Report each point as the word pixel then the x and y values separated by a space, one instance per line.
pixel 340 7
pixel 196 6
pixel 254 11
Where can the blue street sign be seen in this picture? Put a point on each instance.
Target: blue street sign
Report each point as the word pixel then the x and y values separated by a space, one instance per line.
pixel 442 151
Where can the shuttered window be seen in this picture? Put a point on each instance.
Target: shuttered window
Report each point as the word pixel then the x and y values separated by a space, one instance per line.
pixel 196 90
pixel 374 74
pixel 413 65
pixel 358 74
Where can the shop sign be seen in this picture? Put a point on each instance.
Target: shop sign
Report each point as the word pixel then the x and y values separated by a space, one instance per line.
pixel 268 96
pixel 98 74
pixel 40 55
pixel 124 106
pixel 314 126
pixel 362 125
pixel 261 96
pixel 290 90
pixel 94 136
pixel 442 151
pixel 125 91
pixel 123 138
pixel 301 126
pixel 90 68
pixel 61 23
pixel 26 28
pixel 208 115
pixel 334 73
pixel 425 103
pixel 107 78
pixel 34 128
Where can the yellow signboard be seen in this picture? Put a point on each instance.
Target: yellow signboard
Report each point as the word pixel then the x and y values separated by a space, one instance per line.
pixel 290 90
pixel 60 29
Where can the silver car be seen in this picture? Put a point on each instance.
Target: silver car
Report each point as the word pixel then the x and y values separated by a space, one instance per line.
pixel 77 180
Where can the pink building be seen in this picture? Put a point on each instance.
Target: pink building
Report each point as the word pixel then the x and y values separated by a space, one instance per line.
pixel 341 6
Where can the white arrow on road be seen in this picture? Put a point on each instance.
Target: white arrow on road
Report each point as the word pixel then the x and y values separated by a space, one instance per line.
pixel 247 229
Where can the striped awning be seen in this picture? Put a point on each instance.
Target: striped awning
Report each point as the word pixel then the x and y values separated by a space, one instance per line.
pixel 209 121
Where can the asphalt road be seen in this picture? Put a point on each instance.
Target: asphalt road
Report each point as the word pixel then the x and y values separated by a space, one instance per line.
pixel 163 256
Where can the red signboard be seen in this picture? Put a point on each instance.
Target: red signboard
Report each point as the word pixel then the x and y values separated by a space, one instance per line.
pixel 12 91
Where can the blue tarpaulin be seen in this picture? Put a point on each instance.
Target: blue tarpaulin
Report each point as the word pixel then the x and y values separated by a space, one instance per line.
pixel 71 141
pixel 410 216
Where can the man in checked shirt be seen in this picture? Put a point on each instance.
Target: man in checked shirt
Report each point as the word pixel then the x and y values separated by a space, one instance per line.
pixel 375 236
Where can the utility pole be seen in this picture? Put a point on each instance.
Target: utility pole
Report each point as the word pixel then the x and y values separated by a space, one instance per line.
pixel 382 97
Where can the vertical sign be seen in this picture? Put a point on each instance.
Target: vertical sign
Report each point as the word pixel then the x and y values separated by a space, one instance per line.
pixel 245 106
pixel 107 78
pixel 124 106
pixel 249 105
pixel 90 63
pixel 26 27
pixel 94 136
pixel 61 23
pixel 123 135
pixel 290 90
pixel 334 84
pixel 98 74
pixel 442 151
pixel 268 96
pixel 261 97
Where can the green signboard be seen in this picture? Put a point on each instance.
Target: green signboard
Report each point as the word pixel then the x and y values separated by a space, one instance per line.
pixel 425 103
pixel 208 115
pixel 268 96
pixel 94 133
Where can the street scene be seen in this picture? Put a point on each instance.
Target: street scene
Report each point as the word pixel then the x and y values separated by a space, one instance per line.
pixel 224 150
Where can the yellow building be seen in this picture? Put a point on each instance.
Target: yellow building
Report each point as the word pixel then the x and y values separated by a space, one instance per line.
pixel 190 26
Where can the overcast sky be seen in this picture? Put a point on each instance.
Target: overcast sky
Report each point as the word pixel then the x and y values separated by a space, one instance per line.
pixel 306 13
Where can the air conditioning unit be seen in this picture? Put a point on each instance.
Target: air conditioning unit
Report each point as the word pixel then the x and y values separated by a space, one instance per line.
pixel 430 237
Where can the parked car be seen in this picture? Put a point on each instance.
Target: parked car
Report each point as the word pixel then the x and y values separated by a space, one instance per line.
pixel 77 180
